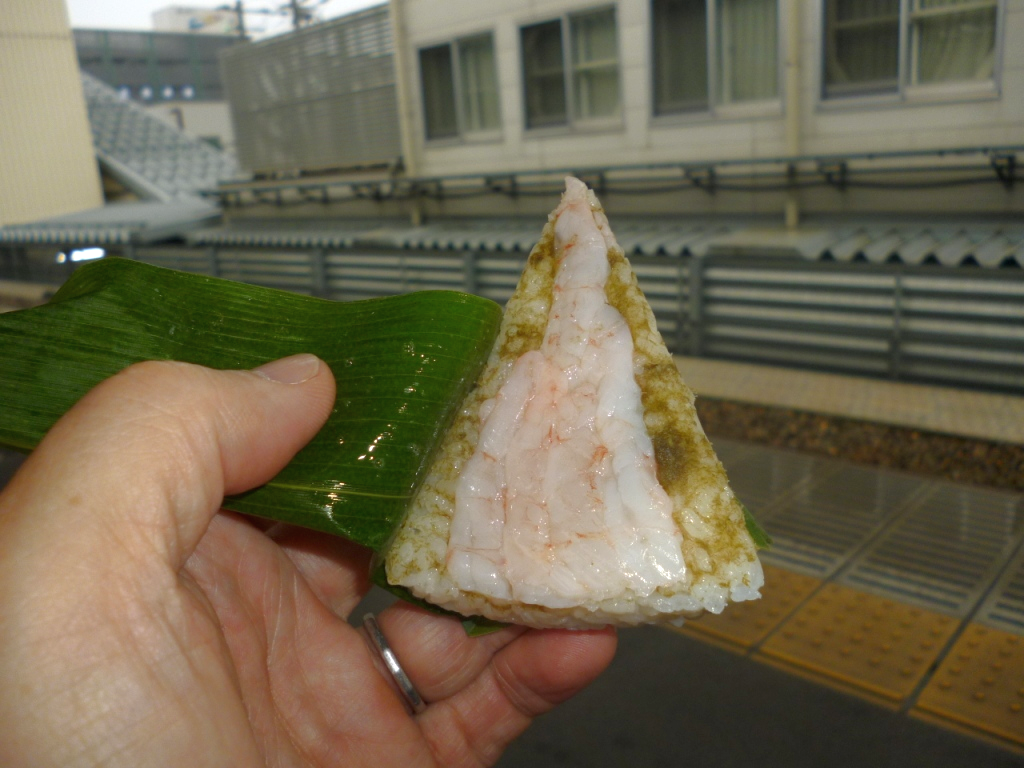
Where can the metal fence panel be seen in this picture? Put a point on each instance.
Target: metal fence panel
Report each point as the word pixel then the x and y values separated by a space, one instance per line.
pixel 799 314
pixel 323 97
pixel 963 329
pixel 291 271
pixel 951 326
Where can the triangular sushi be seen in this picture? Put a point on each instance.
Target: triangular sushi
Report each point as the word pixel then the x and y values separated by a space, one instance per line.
pixel 576 487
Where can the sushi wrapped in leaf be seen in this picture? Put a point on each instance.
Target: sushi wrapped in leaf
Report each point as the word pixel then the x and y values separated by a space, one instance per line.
pixel 576 487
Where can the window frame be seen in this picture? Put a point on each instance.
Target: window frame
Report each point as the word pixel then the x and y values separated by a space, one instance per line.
pixel 462 134
pixel 714 108
pixel 906 91
pixel 573 121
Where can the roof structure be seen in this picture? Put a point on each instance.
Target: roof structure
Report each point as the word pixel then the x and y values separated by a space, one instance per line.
pixel 114 224
pixel 149 156
pixel 948 244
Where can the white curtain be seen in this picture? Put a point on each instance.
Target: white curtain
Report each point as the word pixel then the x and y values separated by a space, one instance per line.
pixel 748 47
pixel 595 60
pixel 958 45
pixel 479 84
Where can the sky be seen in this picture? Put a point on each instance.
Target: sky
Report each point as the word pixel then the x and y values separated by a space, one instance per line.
pixel 137 14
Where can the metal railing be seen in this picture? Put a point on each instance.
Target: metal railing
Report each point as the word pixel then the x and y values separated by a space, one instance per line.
pixel 911 171
pixel 956 326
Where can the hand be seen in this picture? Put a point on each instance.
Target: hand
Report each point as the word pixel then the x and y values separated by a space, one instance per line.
pixel 141 626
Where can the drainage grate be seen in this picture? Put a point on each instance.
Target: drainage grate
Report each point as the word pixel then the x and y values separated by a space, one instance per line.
pixel 945 551
pixel 827 519
pixel 1004 608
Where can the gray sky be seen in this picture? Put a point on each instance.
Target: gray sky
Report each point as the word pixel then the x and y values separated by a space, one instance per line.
pixel 137 14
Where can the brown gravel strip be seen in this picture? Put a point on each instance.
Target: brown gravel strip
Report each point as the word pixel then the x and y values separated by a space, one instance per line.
pixel 963 460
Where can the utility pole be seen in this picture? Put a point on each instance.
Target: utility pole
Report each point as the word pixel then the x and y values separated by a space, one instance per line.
pixel 296 14
pixel 240 12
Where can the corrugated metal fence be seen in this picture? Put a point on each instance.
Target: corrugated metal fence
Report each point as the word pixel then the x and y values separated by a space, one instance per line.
pixel 961 326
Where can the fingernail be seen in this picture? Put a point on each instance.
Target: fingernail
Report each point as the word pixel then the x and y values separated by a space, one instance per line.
pixel 290 370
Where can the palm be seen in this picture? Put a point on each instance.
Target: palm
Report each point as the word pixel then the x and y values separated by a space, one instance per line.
pixel 305 680
pixel 141 627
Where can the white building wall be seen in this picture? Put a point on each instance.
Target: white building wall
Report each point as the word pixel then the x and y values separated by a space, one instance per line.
pixel 47 164
pixel 952 117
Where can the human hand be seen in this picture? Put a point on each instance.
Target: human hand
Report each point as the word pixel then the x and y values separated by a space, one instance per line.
pixel 141 626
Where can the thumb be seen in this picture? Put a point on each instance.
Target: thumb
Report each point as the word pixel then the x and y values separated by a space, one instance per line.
pixel 144 459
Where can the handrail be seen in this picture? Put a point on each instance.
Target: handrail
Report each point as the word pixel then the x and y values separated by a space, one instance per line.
pixel 999 165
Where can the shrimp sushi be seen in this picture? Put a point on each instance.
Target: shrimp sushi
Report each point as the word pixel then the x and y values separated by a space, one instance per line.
pixel 576 487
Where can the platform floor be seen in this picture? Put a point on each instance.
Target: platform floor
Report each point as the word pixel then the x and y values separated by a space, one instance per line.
pixel 900 589
pixel 965 413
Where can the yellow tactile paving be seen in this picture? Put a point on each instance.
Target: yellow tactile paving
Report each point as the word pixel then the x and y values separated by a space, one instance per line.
pixel 867 644
pixel 746 624
pixel 980 684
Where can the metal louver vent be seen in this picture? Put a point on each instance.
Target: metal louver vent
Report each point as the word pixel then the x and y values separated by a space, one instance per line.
pixel 317 99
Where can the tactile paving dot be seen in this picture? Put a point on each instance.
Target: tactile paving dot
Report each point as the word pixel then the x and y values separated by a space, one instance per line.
pixel 870 644
pixel 746 624
pixel 980 684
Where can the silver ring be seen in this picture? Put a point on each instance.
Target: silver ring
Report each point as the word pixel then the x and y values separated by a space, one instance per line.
pixel 413 701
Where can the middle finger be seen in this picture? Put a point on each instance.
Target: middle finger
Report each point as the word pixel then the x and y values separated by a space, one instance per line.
pixel 435 651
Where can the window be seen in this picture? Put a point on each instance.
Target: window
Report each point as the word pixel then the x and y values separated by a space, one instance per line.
pixel 881 46
pixel 571 77
pixel 460 88
pixel 712 52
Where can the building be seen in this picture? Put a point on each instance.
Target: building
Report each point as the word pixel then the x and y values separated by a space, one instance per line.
pixel 202 21
pixel 832 185
pixel 521 86
pixel 46 163
pixel 173 74
pixel 754 107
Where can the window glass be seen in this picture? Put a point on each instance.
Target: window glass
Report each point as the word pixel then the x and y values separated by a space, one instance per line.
pixel 714 52
pixel 544 74
pixel 862 42
pixel 680 55
pixel 946 41
pixel 478 84
pixel 747 50
pixel 954 43
pixel 595 64
pixel 438 92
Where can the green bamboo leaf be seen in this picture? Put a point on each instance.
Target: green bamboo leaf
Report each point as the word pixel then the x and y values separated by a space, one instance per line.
pixel 403 365
pixel 761 539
